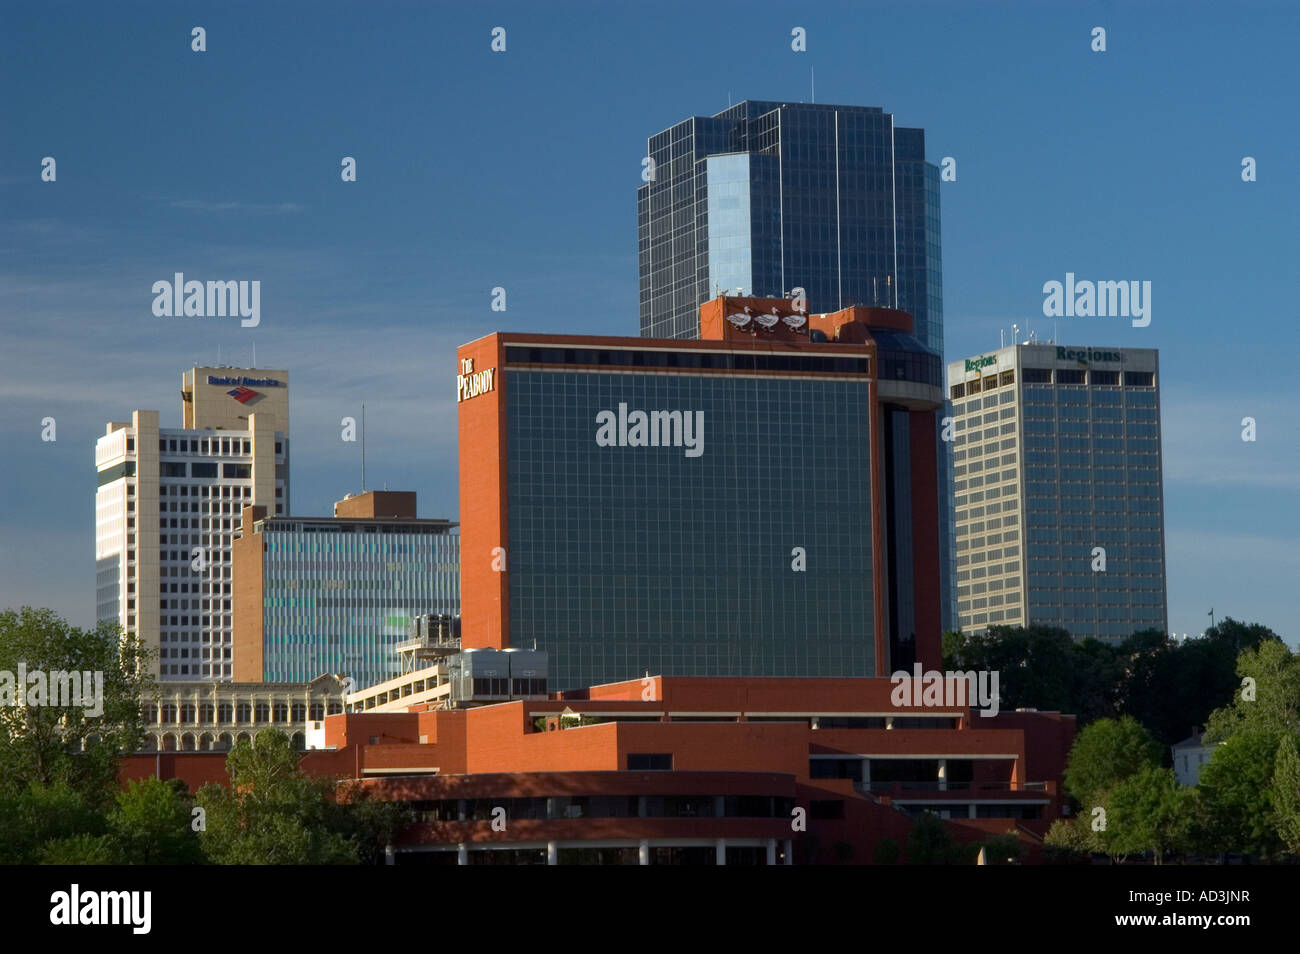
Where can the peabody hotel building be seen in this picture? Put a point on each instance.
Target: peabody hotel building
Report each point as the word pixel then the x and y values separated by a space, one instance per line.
pixel 760 501
pixel 1057 465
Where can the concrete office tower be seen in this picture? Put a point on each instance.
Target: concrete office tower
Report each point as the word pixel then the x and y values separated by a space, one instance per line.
pixel 167 508
pixel 760 501
pixel 336 594
pixel 1059 501
pixel 766 197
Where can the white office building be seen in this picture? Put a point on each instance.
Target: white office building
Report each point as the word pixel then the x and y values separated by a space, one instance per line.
pixel 1058 491
pixel 167 508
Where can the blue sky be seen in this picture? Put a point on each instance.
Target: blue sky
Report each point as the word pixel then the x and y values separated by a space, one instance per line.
pixel 519 169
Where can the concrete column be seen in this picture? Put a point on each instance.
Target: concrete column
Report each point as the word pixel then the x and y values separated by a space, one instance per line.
pixel 390 857
pixel 644 851
pixel 943 775
pixel 789 851
pixel 720 851
pixel 970 810
pixel 771 851
pixel 462 854
pixel 552 852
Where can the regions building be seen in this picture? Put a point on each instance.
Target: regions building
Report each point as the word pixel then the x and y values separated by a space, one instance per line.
pixel 336 594
pixel 1059 502
pixel 759 501
pixel 765 198
pixel 167 510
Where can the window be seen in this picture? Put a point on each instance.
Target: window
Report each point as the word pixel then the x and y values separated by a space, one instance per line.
pixel 958 390
pixel 826 810
pixel 650 762
pixel 1139 379
pixel 1069 376
pixel 1037 376
pixel 1104 378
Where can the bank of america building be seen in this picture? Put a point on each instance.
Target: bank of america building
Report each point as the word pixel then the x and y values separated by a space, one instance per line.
pixel 1059 500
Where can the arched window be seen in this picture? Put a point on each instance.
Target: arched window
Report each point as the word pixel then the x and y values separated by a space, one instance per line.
pixel 206 713
pixel 281 712
pixel 168 713
pixel 224 742
pixel 187 742
pixel 169 742
pixel 245 713
pixel 263 713
pixel 225 713
pixel 187 712
pixel 299 712
pixel 299 743
pixel 149 714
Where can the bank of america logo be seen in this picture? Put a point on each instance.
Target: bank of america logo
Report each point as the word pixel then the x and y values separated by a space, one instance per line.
pixel 244 395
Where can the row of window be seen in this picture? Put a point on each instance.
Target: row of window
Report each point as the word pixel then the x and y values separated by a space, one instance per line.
pixel 686 359
pixel 227 713
pixel 604 806
pixel 224 447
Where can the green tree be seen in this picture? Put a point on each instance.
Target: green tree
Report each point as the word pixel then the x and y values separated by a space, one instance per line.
pixel 369 824
pixel 1003 850
pixel 1150 811
pixel 41 814
pixel 1042 667
pixel 1275 707
pixel 931 843
pixel 79 850
pixel 886 851
pixel 273 812
pixel 151 825
pixel 1105 753
pixel 1070 841
pixel 48 744
pixel 1235 786
pixel 1284 794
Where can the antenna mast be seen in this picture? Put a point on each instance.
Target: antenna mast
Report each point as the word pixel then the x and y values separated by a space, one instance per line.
pixel 363 448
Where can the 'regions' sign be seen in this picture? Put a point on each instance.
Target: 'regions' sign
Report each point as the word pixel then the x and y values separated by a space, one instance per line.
pixel 471 383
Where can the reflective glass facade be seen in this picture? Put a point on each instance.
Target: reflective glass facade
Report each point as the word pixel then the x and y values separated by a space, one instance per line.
pixel 338 596
pixel 840 202
pixel 627 559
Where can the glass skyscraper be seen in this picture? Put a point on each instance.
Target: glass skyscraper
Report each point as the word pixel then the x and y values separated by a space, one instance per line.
pixel 336 594
pixel 767 197
pixel 1059 502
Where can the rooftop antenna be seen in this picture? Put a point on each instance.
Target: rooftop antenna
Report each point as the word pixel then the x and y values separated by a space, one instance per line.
pixel 1015 334
pixel 812 73
pixel 1002 337
pixel 363 448
pixel 889 292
